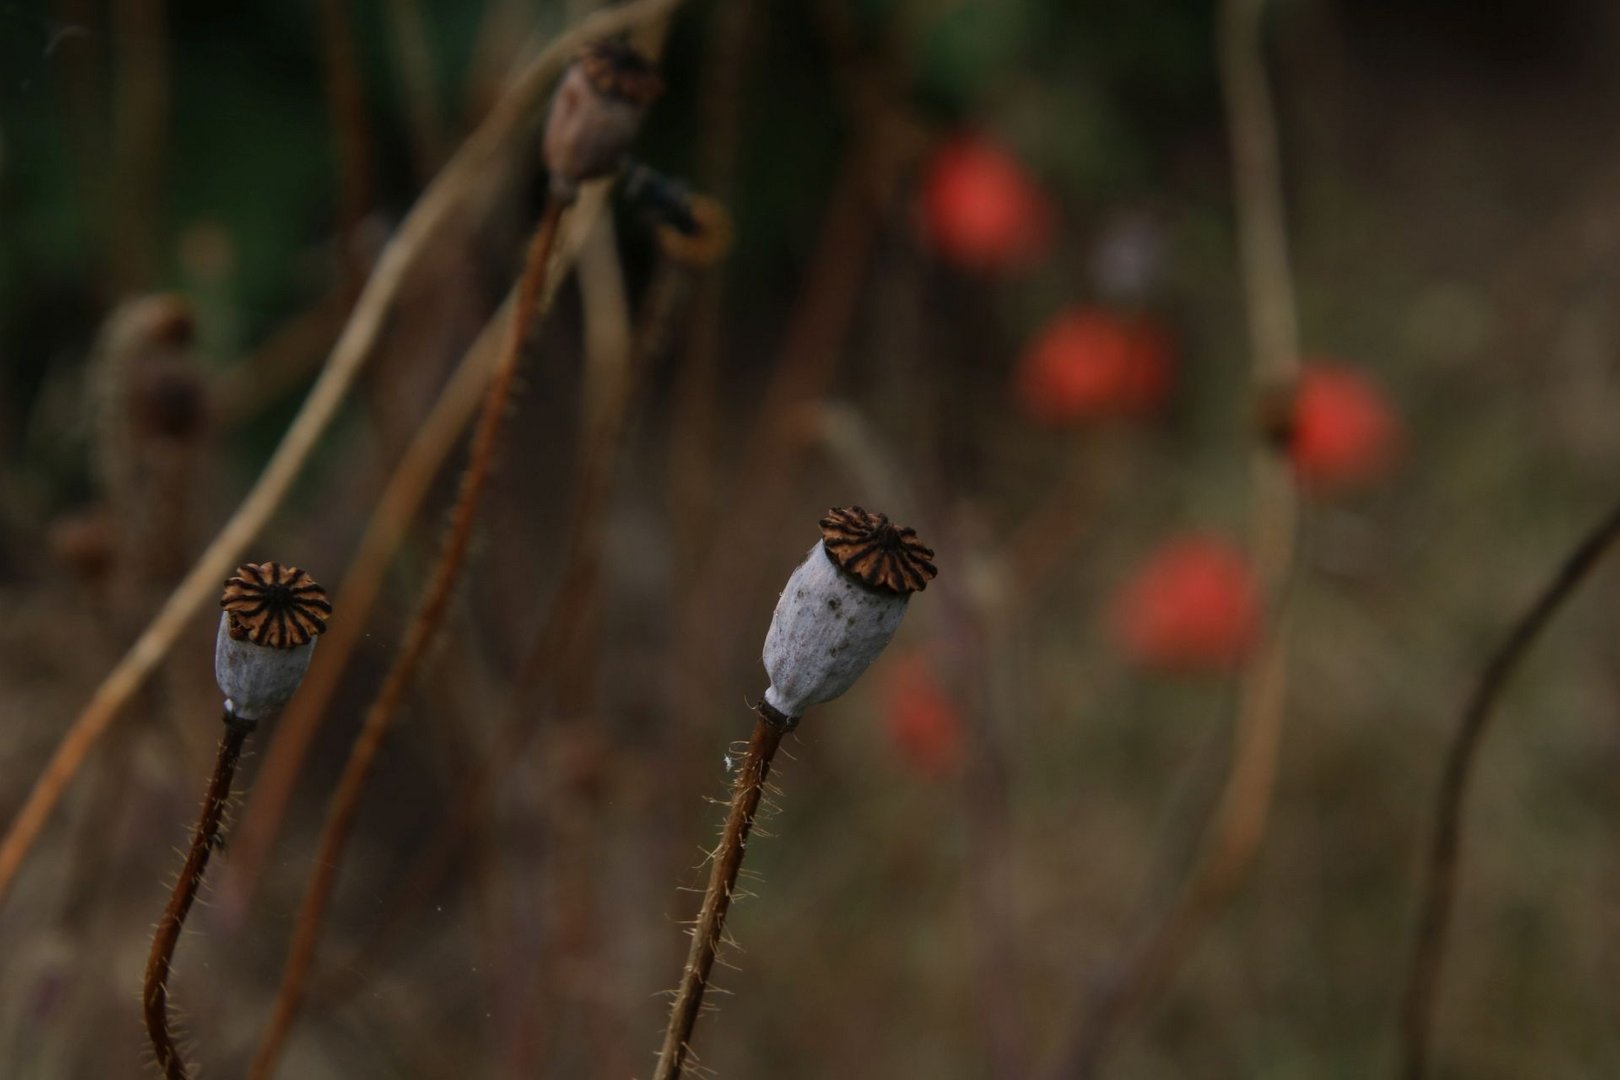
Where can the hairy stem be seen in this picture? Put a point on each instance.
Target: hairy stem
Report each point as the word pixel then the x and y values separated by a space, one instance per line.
pixel 204 839
pixel 429 617
pixel 1440 879
pixel 726 860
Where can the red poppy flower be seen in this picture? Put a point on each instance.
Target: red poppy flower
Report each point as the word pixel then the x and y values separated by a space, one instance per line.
pixel 924 726
pixel 1091 364
pixel 1344 432
pixel 981 211
pixel 1193 606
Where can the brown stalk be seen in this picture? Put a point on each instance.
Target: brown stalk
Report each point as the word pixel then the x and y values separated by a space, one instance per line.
pixel 430 614
pixel 346 102
pixel 669 292
pixel 390 522
pixel 204 839
pixel 386 529
pixel 488 152
pixel 726 859
pixel 419 79
pixel 140 130
pixel 1440 875
pixel 1228 846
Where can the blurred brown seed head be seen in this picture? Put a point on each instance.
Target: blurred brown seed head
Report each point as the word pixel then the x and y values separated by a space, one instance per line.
pixel 169 400
pixel 595 113
pixel 85 542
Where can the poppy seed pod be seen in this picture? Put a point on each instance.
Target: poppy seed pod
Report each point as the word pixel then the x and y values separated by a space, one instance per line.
pixel 841 607
pixel 594 114
pixel 273 613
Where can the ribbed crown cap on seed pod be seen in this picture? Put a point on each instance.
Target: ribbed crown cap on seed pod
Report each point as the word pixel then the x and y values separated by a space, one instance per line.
pixel 595 114
pixel 272 615
pixel 841 607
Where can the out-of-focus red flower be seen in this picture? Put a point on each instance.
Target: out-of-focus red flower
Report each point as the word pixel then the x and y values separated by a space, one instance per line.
pixel 1092 364
pixel 924 726
pixel 1192 607
pixel 981 211
pixel 1344 433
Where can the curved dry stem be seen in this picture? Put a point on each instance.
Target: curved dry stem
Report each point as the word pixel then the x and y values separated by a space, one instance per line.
pixel 667 296
pixel 429 616
pixel 1229 844
pixel 204 839
pixel 1440 878
pixel 386 529
pixel 726 860
pixel 485 154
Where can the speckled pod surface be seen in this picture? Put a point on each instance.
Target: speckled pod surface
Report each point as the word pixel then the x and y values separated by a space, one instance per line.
pixel 827 629
pixel 257 680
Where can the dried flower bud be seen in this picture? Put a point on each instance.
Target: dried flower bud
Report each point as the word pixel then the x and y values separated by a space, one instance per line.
pixel 595 112
pixel 273 613
pixel 841 607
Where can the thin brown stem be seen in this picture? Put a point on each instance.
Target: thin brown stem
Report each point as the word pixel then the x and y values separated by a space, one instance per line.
pixel 204 839
pixel 420 634
pixel 346 104
pixel 668 295
pixel 141 135
pixel 1440 878
pixel 725 861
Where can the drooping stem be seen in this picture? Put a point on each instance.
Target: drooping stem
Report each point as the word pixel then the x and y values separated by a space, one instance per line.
pixel 204 839
pixel 429 617
pixel 1440 884
pixel 726 860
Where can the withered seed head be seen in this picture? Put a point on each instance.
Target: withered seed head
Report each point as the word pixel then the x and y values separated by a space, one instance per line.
pixel 595 113
pixel 840 608
pixel 876 552
pixel 274 605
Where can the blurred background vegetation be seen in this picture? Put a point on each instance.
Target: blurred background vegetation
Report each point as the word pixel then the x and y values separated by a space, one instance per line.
pixel 972 837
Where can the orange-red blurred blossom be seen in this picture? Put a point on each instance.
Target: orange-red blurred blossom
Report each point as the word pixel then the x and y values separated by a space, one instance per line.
pixel 1092 364
pixel 1343 432
pixel 1192 607
pixel 981 211
pixel 923 723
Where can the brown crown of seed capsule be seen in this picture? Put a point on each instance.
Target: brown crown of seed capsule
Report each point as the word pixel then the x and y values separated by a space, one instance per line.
pixel 275 605
pixel 875 551
pixel 617 70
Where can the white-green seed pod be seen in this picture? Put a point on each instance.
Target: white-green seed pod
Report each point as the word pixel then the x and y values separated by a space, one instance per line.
pixel 273 613
pixel 841 607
